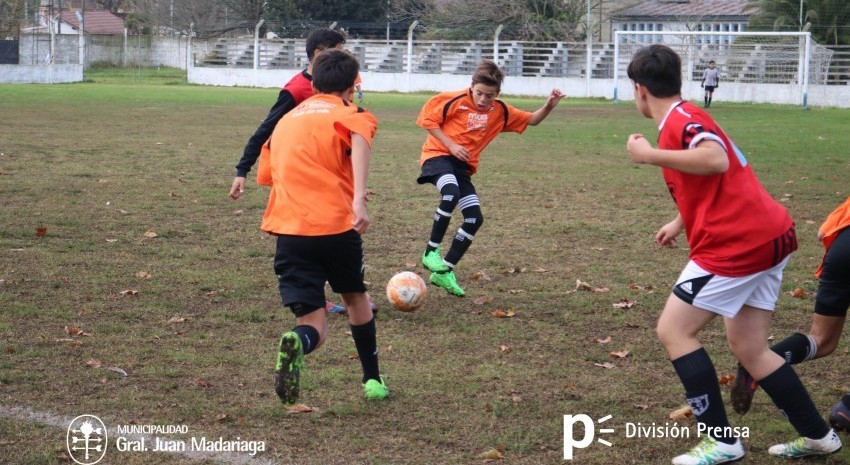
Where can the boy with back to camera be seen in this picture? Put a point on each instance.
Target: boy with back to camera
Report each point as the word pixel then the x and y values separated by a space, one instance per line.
pixel 740 240
pixel 324 141
pixel 460 124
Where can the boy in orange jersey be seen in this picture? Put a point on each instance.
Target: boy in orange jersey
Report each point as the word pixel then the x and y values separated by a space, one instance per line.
pixel 831 304
pixel 460 124
pixel 324 141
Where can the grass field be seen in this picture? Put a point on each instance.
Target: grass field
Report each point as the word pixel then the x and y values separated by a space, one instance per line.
pixel 90 172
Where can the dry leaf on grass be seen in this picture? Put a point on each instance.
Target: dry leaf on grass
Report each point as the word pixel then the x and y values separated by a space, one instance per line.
pixel 301 408
pixel 583 286
pixel 129 292
pixel 726 380
pixel 799 293
pixel 150 234
pixel 624 303
pixel 482 300
pixel 221 417
pixel 481 275
pixel 75 331
pixel 40 232
pixel 143 275
pixel 606 340
pixel 505 349
pixel 606 365
pixel 620 354
pixel 93 363
pixel 504 314
pixel 177 319
pixel 683 414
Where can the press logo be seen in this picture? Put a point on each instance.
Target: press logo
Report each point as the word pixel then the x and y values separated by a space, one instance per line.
pixel 571 443
pixel 86 440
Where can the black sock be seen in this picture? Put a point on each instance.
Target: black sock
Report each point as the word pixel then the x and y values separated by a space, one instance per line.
pixel 438 231
pixel 460 244
pixel 702 389
pixel 796 348
pixel 309 337
pixel 790 396
pixel 366 341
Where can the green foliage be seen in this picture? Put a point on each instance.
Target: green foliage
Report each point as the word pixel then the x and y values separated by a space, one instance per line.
pixel 298 16
pixel 826 19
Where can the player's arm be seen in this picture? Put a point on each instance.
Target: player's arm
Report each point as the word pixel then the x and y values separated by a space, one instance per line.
pixel 361 155
pixel 666 236
pixel 458 151
pixel 551 102
pixel 285 102
pixel 708 157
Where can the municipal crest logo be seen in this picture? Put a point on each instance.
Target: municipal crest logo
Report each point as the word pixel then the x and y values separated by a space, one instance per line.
pixel 86 439
pixel 699 404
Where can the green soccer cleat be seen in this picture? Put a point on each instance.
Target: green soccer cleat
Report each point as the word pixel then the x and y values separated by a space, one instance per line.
pixel 434 262
pixel 711 452
pixel 447 281
pixel 803 446
pixel 287 374
pixel 375 390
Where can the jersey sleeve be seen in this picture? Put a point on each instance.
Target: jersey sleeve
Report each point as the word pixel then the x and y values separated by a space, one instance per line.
pixel 694 133
pixel 517 120
pixel 431 116
pixel 361 123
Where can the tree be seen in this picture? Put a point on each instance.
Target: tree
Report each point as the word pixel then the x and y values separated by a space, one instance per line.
pixel 294 17
pixel 826 19
pixel 478 19
pixel 11 16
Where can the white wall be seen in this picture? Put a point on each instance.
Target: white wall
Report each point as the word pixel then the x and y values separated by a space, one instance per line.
pixel 40 74
pixel 819 96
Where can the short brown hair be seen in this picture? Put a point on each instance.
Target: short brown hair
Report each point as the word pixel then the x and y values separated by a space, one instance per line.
pixel 489 74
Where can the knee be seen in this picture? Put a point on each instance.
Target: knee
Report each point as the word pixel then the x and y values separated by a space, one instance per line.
pixel 473 218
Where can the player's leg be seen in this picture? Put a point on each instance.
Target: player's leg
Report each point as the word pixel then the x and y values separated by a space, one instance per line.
pixel 748 333
pixel 831 305
pixel 447 185
pixel 677 328
pixel 301 283
pixel 833 298
pixel 705 97
pixel 473 218
pixel 344 259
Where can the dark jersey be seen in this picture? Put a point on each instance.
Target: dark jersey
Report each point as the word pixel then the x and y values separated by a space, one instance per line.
pixel 298 89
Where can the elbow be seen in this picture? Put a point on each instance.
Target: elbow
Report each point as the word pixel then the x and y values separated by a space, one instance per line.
pixel 718 166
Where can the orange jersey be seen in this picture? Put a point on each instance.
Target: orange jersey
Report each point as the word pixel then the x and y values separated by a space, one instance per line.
pixel 455 114
pixel 836 222
pixel 312 179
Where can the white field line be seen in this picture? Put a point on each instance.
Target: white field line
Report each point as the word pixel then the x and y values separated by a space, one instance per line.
pixel 46 418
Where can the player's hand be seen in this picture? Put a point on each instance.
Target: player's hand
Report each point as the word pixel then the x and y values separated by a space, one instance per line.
pixel 638 148
pixel 459 152
pixel 361 217
pixel 554 98
pixel 666 236
pixel 238 187
pixel 359 96
pixel 702 86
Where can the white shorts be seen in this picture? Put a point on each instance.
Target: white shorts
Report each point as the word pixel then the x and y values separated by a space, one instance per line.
pixel 726 296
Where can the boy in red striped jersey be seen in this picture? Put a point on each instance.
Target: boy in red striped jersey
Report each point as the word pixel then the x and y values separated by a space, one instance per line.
pixel 740 240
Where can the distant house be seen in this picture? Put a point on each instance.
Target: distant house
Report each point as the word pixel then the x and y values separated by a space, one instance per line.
pixel 96 22
pixel 684 15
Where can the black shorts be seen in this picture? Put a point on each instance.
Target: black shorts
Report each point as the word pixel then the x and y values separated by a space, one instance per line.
pixel 710 88
pixel 304 263
pixel 433 168
pixel 833 297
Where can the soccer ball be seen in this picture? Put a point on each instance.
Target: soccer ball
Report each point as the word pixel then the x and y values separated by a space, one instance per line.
pixel 406 291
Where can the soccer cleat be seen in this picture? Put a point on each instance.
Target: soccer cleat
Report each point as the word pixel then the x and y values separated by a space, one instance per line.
pixel 287 374
pixel 434 262
pixel 839 417
pixel 330 307
pixel 447 281
pixel 803 446
pixel 375 390
pixel 710 451
pixel 743 389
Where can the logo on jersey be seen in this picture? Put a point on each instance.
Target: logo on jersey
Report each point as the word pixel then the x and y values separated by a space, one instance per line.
pixel 476 122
